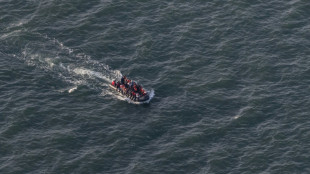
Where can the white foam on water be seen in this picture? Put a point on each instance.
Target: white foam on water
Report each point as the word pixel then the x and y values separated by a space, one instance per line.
pixel 241 112
pixel 105 93
pixel 113 94
pixel 90 73
pixel 10 34
pixel 72 89
pixel 236 116
pixel 50 62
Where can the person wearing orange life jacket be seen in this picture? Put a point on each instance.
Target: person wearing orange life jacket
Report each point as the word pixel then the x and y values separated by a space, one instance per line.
pixel 113 83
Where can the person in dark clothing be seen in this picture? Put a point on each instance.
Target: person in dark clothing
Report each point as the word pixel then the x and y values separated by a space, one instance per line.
pixel 142 92
pixel 123 80
pixel 135 88
pixel 133 95
pixel 138 88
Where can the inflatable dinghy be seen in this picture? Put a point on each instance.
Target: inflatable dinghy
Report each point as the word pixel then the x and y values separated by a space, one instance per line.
pixel 130 89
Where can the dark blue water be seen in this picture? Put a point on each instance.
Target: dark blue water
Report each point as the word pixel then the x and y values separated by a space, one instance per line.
pixel 229 82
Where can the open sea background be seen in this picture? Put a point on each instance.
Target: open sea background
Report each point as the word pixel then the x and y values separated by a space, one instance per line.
pixel 231 81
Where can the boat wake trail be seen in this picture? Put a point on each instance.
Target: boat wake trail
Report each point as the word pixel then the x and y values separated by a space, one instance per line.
pixel 71 66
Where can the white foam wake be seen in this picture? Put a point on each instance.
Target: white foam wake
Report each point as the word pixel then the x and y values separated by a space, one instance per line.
pixel 91 73
pixel 72 66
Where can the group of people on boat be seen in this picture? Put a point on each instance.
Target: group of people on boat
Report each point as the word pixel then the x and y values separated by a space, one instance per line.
pixel 129 88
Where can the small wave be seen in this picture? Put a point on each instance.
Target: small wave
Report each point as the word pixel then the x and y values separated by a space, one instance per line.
pixel 10 34
pixel 152 94
pixel 237 116
pixel 72 89
pixel 50 62
pixel 241 112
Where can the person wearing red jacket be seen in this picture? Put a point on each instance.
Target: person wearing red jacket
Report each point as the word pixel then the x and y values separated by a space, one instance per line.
pixel 133 95
pixel 135 88
pixel 142 91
